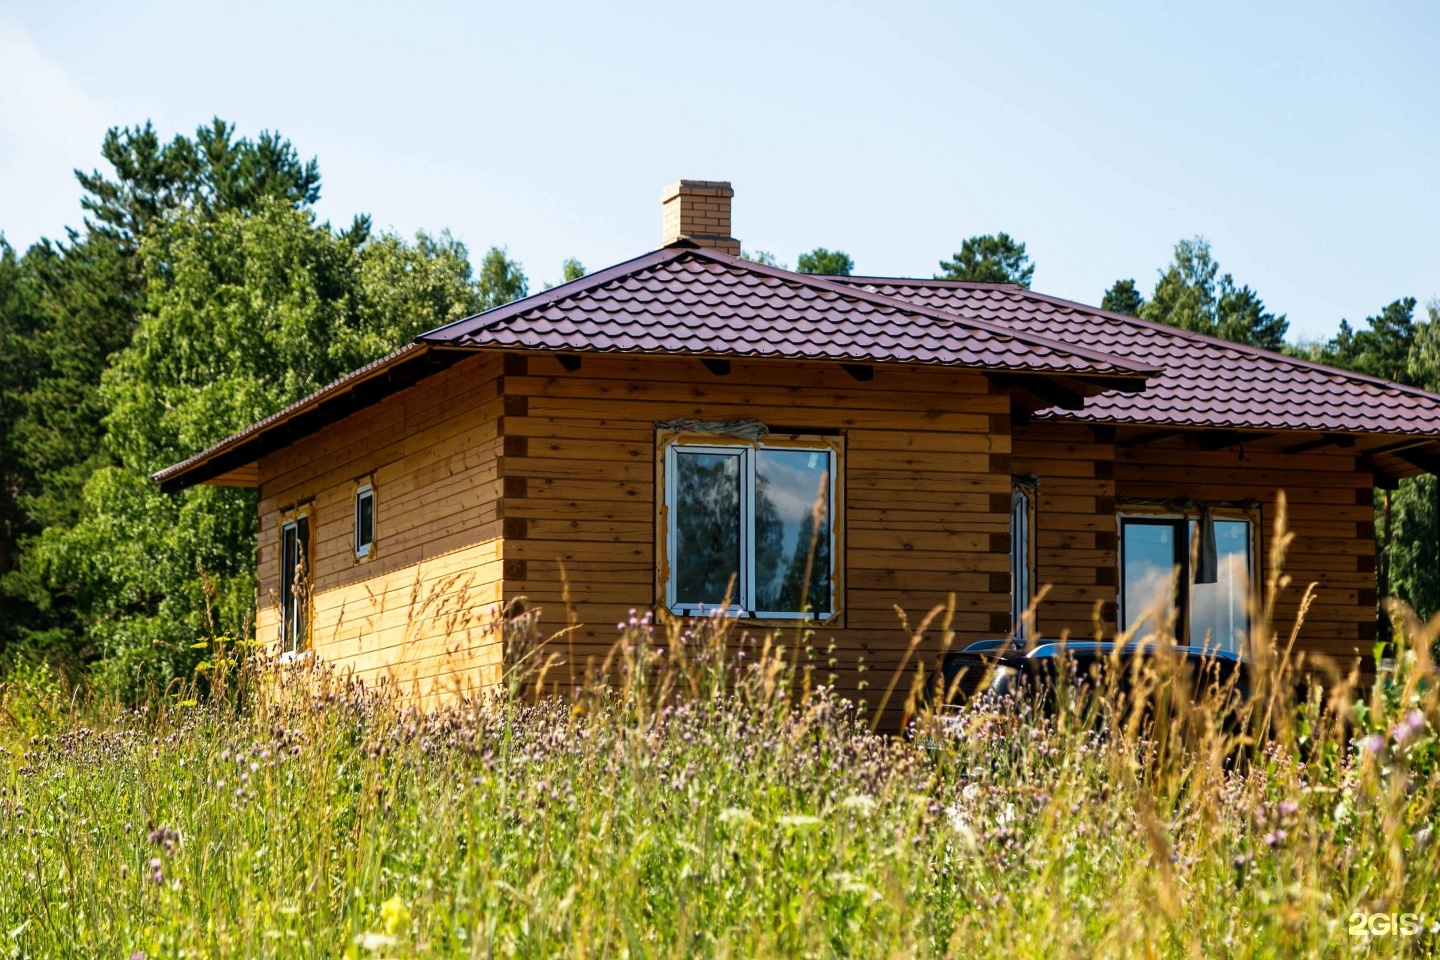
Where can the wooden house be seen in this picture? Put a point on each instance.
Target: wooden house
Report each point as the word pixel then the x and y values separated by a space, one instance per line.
pixel 643 437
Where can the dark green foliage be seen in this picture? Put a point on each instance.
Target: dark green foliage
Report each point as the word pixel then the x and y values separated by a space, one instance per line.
pixel 991 258
pixel 85 295
pixel 18 322
pixel 1124 297
pixel 1192 295
pixel 833 263
pixel 1412 556
pixel 1394 346
pixel 211 173
pixel 202 296
pixel 247 312
pixel 1382 348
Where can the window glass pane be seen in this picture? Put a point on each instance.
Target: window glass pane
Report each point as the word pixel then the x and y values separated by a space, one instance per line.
pixel 1150 555
pixel 294 581
pixel 792 491
pixel 706 515
pixel 1219 612
pixel 288 551
pixel 364 520
pixel 1019 559
pixel 302 582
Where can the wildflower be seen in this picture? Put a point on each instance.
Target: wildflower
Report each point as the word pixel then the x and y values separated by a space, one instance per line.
pixel 1374 743
pixel 1408 727
pixel 395 915
pixel 372 942
pixel 859 803
pixel 734 815
pixel 797 820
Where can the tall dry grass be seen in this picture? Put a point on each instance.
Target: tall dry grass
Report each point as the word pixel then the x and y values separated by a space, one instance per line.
pixel 701 795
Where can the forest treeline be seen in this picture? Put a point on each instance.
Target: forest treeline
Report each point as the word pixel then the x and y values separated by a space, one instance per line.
pixel 201 292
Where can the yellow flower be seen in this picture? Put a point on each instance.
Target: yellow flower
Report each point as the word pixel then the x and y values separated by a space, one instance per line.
pixel 395 915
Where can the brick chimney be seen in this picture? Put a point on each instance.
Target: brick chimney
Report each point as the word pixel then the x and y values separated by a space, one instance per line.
pixel 699 211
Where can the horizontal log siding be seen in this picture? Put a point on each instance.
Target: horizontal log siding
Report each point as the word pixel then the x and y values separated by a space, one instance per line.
pixel 926 493
pixel 1082 478
pixel 420 611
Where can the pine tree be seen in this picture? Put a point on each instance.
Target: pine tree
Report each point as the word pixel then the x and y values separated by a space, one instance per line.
pixel 990 258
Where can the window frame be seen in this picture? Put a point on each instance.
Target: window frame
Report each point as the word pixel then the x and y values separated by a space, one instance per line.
pixel 1162 516
pixel 670 443
pixel 1023 497
pixel 292 643
pixel 366 550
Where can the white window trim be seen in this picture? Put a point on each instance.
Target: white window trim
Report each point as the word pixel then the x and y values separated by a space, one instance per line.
pixel 364 490
pixel 745 586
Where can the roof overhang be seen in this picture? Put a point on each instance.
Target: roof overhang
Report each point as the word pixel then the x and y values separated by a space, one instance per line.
pixel 232 461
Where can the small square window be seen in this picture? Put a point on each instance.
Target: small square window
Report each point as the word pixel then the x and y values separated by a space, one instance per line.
pixel 364 520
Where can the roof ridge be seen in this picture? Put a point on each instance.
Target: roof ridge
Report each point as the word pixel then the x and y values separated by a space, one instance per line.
pixel 1166 328
pixel 1241 347
pixel 507 311
pixel 927 281
pixel 820 282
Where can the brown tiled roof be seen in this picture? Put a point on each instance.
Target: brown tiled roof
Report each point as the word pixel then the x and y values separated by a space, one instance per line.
pixel 689 302
pixel 701 303
pixel 1205 382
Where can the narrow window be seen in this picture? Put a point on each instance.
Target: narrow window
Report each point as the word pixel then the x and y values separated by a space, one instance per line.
pixel 295 584
pixel 1022 553
pixel 754 523
pixel 364 520
pixel 1162 587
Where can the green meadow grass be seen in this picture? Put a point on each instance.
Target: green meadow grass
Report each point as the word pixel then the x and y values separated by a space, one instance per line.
pixel 697 803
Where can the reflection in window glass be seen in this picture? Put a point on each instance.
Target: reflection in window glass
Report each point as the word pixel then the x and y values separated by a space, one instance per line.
pixel 1150 556
pixel 706 514
pixel 294 583
pixel 1022 509
pixel 789 486
pixel 1219 612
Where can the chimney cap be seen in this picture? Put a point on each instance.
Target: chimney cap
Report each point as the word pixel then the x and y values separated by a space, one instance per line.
pixel 697 214
pixel 714 188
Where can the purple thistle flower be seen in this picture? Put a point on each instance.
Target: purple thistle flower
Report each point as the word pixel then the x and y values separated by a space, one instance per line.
pixel 1409 726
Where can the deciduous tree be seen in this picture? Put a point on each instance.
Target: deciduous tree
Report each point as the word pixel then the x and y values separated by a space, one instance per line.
pixel 834 263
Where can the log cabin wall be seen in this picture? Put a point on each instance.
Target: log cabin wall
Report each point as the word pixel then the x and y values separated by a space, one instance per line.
pixel 926 493
pixel 420 609
pixel 1085 475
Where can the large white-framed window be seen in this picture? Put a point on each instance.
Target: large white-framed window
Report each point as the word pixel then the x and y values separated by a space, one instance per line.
pixel 1023 492
pixel 364 519
pixel 754 523
pixel 295 583
pixel 1165 585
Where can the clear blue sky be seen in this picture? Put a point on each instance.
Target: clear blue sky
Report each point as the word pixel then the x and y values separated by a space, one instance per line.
pixel 1302 139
